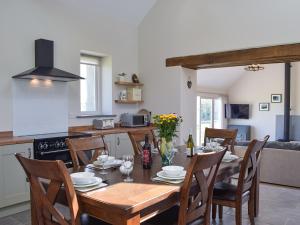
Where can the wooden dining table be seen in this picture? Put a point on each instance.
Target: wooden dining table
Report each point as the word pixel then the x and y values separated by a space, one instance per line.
pixel 122 203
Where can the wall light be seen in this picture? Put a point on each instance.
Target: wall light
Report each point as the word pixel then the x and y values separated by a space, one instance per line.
pixel 254 67
pixel 48 82
pixel 34 82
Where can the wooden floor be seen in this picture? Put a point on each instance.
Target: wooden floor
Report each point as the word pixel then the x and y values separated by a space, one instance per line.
pixel 279 206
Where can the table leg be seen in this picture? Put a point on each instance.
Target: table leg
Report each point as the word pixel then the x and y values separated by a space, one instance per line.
pixel 134 220
pixel 256 197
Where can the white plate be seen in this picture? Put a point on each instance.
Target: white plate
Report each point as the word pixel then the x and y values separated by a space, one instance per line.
pixel 229 158
pixel 116 162
pixel 97 181
pixel 163 175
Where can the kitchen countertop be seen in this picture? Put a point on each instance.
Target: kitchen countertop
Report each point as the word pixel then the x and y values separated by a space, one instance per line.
pixel 7 138
pixel 12 140
pixel 116 130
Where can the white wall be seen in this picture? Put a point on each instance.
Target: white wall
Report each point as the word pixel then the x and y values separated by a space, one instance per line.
pixel 177 28
pixel 29 120
pixel 73 30
pixel 254 88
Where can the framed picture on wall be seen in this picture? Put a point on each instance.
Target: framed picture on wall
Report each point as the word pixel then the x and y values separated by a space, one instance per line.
pixel 276 98
pixel 264 106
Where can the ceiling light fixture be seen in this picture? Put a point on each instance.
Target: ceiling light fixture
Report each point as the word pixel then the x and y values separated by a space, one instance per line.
pixel 254 67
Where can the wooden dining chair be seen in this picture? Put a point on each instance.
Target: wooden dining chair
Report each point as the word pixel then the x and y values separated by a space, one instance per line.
pixel 227 194
pixel 138 137
pixel 227 136
pixel 44 200
pixel 195 200
pixel 85 150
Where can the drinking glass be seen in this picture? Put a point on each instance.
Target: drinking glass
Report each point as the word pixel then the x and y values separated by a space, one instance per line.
pixel 128 162
pixel 103 158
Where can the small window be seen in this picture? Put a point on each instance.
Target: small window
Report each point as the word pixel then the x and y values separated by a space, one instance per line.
pixel 90 99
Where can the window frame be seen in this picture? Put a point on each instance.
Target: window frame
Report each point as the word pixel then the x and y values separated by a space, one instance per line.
pixel 98 84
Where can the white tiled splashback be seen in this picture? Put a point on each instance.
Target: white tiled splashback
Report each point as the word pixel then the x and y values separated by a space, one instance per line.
pixel 39 107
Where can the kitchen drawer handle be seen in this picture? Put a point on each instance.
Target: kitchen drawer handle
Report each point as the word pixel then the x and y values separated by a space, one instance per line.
pixel 13 154
pixel 29 153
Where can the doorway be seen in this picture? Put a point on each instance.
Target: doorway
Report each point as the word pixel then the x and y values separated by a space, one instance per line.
pixel 209 115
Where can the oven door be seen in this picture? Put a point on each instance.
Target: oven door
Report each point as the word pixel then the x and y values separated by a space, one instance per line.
pixel 63 155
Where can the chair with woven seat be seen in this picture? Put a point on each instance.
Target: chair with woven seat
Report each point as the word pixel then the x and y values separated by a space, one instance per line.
pixel 138 137
pixel 227 136
pixel 85 150
pixel 230 195
pixel 195 195
pixel 56 173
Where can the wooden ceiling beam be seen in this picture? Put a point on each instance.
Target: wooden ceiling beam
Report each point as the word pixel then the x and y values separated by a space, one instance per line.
pixel 264 55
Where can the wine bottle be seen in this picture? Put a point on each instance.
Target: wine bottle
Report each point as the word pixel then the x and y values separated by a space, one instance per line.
pixel 190 146
pixel 147 158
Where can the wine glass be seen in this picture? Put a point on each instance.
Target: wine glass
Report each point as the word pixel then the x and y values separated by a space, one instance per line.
pixel 103 157
pixel 128 161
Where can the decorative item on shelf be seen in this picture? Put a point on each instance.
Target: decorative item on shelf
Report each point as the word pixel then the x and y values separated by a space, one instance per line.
pixel 264 106
pixel 167 125
pixel 121 77
pixel 135 78
pixel 134 94
pixel 254 67
pixel 123 95
pixel 189 83
pixel 276 98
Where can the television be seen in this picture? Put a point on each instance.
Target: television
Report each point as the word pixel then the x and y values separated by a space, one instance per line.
pixel 237 111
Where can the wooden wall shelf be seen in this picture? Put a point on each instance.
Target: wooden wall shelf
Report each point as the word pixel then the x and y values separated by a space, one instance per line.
pixel 128 102
pixel 130 84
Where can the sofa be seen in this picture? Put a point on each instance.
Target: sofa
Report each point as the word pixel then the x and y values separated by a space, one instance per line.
pixel 280 162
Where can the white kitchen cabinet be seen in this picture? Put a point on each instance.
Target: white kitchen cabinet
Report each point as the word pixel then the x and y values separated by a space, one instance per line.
pixel 119 144
pixel 110 140
pixel 13 186
pixel 123 145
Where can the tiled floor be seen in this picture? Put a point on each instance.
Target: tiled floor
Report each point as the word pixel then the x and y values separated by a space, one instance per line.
pixel 278 206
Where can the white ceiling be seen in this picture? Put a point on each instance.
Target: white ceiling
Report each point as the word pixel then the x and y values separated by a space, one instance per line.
pixel 129 11
pixel 218 80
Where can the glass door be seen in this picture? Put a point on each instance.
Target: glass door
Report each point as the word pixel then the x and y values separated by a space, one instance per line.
pixel 209 114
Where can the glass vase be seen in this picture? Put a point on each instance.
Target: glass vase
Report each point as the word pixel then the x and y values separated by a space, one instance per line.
pixel 166 152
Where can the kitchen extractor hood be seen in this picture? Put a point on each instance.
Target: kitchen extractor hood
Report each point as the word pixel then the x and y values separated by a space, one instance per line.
pixel 44 68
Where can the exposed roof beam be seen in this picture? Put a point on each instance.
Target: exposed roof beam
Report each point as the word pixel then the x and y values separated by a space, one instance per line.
pixel 263 55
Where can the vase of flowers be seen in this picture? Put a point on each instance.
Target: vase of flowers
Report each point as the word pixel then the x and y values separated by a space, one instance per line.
pixel 166 125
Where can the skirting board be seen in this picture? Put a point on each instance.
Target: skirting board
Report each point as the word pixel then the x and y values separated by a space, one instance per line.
pixel 10 210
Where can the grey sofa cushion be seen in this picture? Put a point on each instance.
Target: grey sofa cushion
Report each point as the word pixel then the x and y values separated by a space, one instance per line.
pixel 293 145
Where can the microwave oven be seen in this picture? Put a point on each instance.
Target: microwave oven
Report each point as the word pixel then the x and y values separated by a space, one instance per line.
pixel 134 120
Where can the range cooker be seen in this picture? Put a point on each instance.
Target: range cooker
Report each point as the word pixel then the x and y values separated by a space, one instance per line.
pixel 54 147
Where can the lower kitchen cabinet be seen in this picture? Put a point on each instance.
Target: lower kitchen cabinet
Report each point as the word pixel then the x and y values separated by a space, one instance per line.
pixel 123 145
pixel 119 144
pixel 14 188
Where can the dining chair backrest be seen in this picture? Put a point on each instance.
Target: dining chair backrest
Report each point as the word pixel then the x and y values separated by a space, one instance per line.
pixel 85 150
pixel 227 135
pixel 203 168
pixel 138 137
pixel 250 165
pixel 56 173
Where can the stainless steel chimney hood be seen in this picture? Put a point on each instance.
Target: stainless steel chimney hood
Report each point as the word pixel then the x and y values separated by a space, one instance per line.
pixel 44 68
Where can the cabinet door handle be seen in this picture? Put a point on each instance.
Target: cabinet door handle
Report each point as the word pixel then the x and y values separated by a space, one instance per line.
pixel 29 153
pixel 118 140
